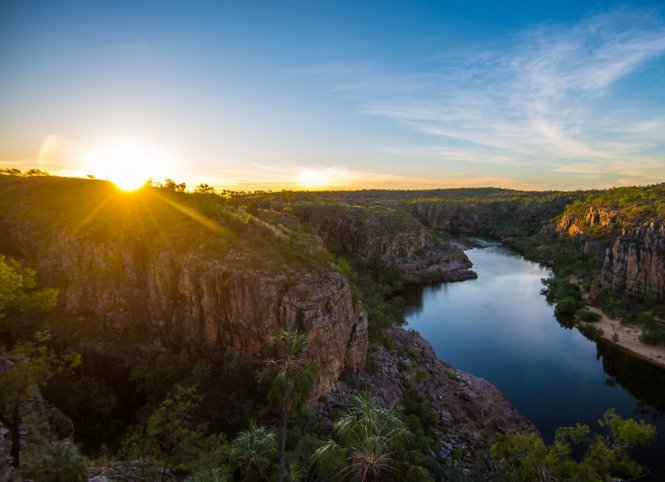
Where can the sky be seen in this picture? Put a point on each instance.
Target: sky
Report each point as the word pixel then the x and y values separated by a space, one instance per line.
pixel 337 94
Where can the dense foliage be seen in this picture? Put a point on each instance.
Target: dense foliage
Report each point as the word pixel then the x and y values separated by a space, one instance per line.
pixel 218 416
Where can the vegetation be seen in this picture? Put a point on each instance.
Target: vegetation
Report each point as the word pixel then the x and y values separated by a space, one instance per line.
pixel 58 462
pixel 602 214
pixel 369 440
pixel 375 286
pixel 203 415
pixel 605 456
pixel 291 380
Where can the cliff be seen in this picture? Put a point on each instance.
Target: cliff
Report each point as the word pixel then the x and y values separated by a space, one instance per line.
pixel 501 215
pixel 635 265
pixel 632 251
pixel 390 233
pixel 198 276
pixel 467 408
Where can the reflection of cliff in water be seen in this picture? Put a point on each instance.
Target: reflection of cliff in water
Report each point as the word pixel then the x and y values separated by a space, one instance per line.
pixel 642 379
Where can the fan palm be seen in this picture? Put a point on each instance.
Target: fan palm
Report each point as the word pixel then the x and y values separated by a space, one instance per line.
pixel 369 437
pixel 252 452
pixel 292 380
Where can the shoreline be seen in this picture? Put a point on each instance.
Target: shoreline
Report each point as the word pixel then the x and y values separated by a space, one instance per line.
pixel 627 338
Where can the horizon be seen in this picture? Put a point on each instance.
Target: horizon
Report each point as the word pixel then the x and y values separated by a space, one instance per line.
pixel 302 96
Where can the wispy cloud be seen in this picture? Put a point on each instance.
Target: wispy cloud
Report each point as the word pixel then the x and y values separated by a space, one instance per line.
pixel 546 97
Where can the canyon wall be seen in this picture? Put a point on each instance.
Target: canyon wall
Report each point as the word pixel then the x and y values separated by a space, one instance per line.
pixel 633 255
pixel 148 268
pixel 635 265
pixel 184 300
pixel 393 235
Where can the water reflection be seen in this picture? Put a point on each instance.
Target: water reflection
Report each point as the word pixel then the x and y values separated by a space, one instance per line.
pixel 501 328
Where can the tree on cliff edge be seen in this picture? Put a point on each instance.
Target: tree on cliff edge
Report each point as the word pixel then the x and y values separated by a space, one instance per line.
pixel 291 380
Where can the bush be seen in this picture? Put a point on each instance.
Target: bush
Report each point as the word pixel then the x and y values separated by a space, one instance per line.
pixel 588 316
pixel 566 306
pixel 59 462
pixel 653 337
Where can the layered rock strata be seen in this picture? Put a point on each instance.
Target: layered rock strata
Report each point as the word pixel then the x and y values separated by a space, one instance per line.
pixel 185 300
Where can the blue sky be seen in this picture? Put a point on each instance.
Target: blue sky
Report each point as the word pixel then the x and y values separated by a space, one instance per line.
pixel 408 94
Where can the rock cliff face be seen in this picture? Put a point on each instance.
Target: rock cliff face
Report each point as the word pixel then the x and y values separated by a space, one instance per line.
pixel 468 407
pixel 403 243
pixel 635 262
pixel 635 265
pixel 364 232
pixel 453 218
pixel 499 218
pixel 185 300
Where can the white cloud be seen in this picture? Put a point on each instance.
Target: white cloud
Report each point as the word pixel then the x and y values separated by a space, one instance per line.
pixel 544 97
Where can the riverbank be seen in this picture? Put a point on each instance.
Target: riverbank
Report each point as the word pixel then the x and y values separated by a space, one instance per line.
pixel 625 337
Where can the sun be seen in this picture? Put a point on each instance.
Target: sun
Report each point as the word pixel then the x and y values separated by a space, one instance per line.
pixel 311 178
pixel 127 164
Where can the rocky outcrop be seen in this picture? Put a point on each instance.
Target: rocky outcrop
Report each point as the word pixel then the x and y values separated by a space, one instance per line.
pixel 465 404
pixel 594 220
pixel 635 265
pixel 394 236
pixel 436 262
pixel 188 300
pixel 634 262
pixel 452 218
pixel 365 232
pixel 499 218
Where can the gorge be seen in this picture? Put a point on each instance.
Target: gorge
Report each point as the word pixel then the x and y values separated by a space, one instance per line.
pixel 148 278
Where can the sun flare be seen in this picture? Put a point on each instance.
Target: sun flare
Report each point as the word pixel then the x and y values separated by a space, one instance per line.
pixel 312 178
pixel 127 164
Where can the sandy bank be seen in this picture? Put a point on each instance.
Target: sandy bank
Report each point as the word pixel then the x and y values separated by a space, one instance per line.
pixel 627 338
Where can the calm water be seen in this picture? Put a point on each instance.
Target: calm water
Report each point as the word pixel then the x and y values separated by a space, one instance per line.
pixel 500 328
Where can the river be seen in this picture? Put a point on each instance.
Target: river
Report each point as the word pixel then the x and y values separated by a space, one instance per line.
pixel 501 328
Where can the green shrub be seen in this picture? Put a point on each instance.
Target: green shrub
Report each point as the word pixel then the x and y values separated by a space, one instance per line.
pixel 60 462
pixel 588 316
pixel 653 337
pixel 566 306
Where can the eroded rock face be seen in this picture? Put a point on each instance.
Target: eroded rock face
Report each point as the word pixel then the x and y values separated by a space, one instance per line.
pixel 572 225
pixel 186 300
pixel 362 233
pixel 407 247
pixel 464 403
pixel 636 263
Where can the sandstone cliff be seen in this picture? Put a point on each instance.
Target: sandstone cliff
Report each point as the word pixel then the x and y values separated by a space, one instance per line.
pixel 499 217
pixel 177 281
pixel 393 235
pixel 633 254
pixel 635 265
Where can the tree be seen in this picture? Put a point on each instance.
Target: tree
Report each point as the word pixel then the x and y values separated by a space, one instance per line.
pixel 252 452
pixel 291 379
pixel 204 188
pixel 369 438
pixel 170 436
pixel 61 461
pixel 20 300
pixel 527 457
pixel 28 366
pixel 171 185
